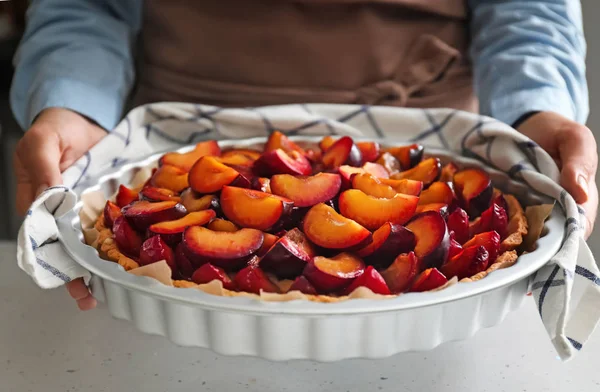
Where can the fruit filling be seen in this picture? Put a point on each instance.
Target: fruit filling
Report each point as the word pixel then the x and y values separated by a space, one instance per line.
pixel 325 219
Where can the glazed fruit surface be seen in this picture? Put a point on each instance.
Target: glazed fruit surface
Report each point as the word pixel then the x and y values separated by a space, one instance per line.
pixel 328 218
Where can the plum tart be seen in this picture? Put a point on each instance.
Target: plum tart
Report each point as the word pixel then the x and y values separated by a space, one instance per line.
pixel 324 221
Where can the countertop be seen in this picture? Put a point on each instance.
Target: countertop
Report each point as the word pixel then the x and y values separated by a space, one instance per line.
pixel 47 345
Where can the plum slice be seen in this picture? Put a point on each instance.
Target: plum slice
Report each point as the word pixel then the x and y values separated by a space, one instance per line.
pixel 438 192
pixel 170 177
pixel 407 187
pixel 432 239
pixel 489 240
pixel 289 255
pixel 152 193
pixel 149 180
pixel 494 218
pixel 142 214
pixel 208 175
pixel 306 191
pixel 388 241
pixel 454 248
pixel 333 274
pixel 326 142
pixel 208 272
pixel 303 285
pixel 438 207
pixel 381 187
pixel 343 151
pixel 111 213
pixel 372 212
pixel 219 224
pixel 193 201
pixel 372 186
pixel 448 172
pixel 500 201
pixel 223 249
pixel 389 162
pixel 253 209
pixel 262 184
pixel 185 161
pixel 426 171
pixel 252 279
pixel 370 279
pixel 280 162
pixel 428 280
pixel 369 151
pixel 278 140
pixel 172 231
pixel 270 240
pixel 254 260
pixel 128 240
pixel 458 223
pixel 325 227
pixel 314 156
pixel 474 190
pixel 155 249
pixel 468 262
pixel 347 172
pixel 401 273
pixel 247 175
pixel 237 160
pixel 185 266
pixel 250 154
pixel 408 156
pixel 376 170
pixel 125 196
pixel 293 219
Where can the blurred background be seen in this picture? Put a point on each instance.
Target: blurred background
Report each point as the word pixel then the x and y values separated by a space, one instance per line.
pixel 12 19
pixel 12 15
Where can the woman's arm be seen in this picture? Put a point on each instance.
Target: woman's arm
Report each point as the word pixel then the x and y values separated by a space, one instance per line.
pixel 76 54
pixel 529 56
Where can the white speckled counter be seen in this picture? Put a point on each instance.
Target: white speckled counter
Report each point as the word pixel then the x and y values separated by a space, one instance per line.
pixel 47 345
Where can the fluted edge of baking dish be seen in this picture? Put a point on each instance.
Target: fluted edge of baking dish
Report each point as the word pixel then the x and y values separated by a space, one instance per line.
pixel 324 338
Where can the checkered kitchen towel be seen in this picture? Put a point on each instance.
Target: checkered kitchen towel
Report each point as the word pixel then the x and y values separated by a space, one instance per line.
pixel 567 290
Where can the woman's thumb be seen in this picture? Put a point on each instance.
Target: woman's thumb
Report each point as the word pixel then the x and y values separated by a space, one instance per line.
pixel 579 160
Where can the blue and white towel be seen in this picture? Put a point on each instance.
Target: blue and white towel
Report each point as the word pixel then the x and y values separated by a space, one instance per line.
pixel 567 290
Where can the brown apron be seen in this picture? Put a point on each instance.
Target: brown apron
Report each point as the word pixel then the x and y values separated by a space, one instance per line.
pixel 249 53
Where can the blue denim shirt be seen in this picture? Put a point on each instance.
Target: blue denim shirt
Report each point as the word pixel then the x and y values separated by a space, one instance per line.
pixel 528 55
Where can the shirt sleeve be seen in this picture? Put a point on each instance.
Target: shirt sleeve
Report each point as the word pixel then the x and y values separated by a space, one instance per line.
pixel 76 54
pixel 529 56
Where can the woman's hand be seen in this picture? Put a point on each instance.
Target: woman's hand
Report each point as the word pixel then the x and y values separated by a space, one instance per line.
pixel 573 147
pixel 57 138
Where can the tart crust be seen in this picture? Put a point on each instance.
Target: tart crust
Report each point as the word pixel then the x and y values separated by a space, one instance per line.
pixel 108 250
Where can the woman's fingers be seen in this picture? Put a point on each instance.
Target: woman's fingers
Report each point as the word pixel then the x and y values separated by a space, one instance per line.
pixel 77 289
pixel 87 303
pixel 579 158
pixel 573 148
pixel 54 142
pixel 37 161
pixel 80 292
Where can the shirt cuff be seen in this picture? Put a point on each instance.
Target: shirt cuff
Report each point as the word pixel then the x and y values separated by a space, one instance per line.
pixel 511 107
pixel 98 105
pixel 524 118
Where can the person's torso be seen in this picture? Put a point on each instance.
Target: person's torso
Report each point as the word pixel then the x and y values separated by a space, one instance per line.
pixel 250 53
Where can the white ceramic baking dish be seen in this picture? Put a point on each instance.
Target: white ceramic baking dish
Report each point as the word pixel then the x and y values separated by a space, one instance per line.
pixel 357 328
